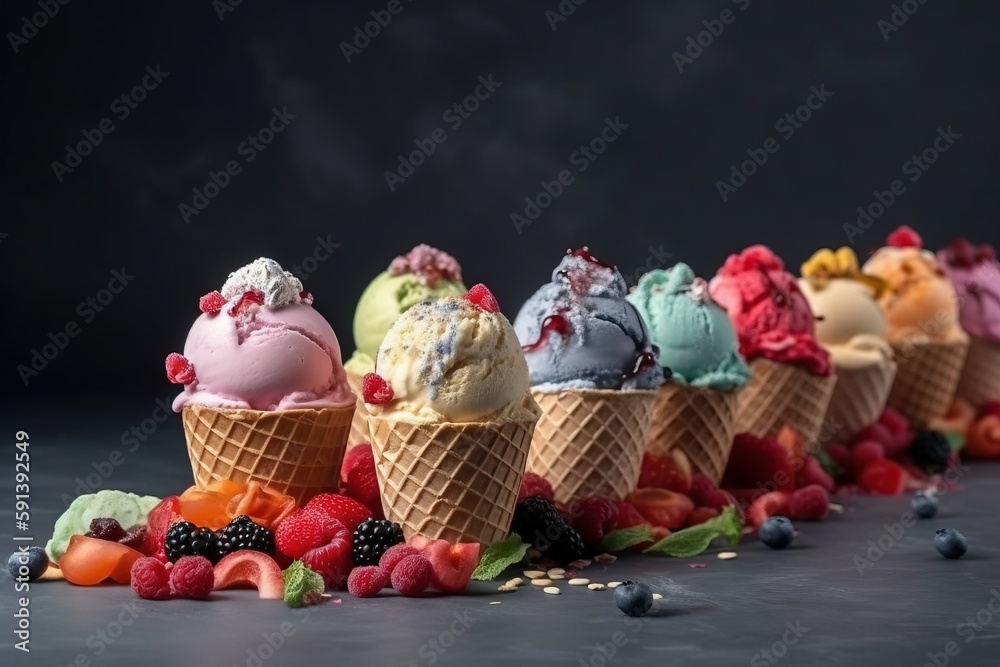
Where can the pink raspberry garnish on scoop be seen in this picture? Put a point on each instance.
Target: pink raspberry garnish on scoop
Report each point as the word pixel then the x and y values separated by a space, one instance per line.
pixel 904 236
pixel 375 389
pixel 211 303
pixel 179 369
pixel 247 301
pixel 481 296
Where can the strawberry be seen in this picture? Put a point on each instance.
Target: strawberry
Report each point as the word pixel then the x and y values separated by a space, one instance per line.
pixel 662 472
pixel 904 236
pixel 533 484
pixel 483 298
pixel 810 503
pixel 375 389
pixel 812 473
pixel 211 303
pixel 593 517
pixel 452 564
pixel 360 479
pixel 883 477
pixel 304 530
pixel 865 452
pixel 758 462
pixel 179 369
pixel 628 515
pixel 347 511
pixel 774 503
pixel 661 507
pixel 701 515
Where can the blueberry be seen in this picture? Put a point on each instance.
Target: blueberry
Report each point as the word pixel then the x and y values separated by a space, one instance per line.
pixel 776 532
pixel 34 559
pixel 926 507
pixel 633 598
pixel 950 543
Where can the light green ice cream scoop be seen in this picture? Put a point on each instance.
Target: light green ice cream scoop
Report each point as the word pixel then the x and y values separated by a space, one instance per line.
pixel 422 273
pixel 128 509
pixel 696 338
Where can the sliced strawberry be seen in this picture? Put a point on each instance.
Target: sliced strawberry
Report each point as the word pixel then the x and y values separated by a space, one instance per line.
pixel 452 564
pixel 179 369
pixel 211 303
pixel 904 236
pixel 661 507
pixel 250 569
pixel 375 389
pixel 483 298
pixel 663 472
pixel 166 513
pixel 775 503
pixel 246 302
pixel 883 477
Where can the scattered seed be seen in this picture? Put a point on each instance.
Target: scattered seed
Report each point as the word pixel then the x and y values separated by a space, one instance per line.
pixel 557 576
pixel 836 509
pixel 597 587
pixel 541 582
pixel 555 571
pixel 516 581
pixel 657 596
pixel 495 602
pixel 727 555
pixel 614 584
pixel 580 581
pixel 551 590
pixel 534 574
pixel 506 588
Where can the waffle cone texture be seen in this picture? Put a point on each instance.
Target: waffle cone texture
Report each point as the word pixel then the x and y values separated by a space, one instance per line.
pixel 858 398
pixel 780 394
pixel 295 452
pixel 927 378
pixel 698 421
pixel 980 379
pixel 590 441
pixel 452 481
pixel 359 425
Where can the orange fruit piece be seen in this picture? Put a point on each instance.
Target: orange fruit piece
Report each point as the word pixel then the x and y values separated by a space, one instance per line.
pixel 982 439
pixel 89 561
pixel 267 508
pixel 206 506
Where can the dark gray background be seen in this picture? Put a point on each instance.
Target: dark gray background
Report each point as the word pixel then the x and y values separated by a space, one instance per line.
pixel 654 188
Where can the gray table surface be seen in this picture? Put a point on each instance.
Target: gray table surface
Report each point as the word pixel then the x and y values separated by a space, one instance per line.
pixel 808 605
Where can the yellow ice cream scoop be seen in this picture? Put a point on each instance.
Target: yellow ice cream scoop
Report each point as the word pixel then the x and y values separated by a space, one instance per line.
pixel 826 264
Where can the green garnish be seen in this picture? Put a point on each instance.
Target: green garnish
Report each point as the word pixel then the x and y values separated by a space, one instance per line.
pixel 622 539
pixel 302 585
pixel 694 540
pixel 499 556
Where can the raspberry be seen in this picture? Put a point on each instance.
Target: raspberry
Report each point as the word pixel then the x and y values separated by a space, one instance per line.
pixel 306 297
pixel 904 237
pixel 107 529
pixel 192 577
pixel 375 389
pixel 483 298
pixel 367 581
pixel 701 485
pixel 246 302
pixel 534 485
pixel 865 452
pixel 412 575
pixel 895 422
pixel 332 559
pixel 304 530
pixel 179 369
pixel 392 557
pixel 812 473
pixel 211 303
pixel 347 511
pixel 150 579
pixel 593 517
pixel 810 503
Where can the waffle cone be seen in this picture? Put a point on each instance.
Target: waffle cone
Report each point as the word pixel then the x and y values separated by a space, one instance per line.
pixel 590 442
pixel 359 424
pixel 858 398
pixel 980 379
pixel 927 378
pixel 451 481
pixel 698 421
pixel 295 452
pixel 780 394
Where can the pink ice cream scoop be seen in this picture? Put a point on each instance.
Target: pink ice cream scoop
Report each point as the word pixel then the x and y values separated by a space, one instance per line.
pixel 260 345
pixel 771 315
pixel 975 273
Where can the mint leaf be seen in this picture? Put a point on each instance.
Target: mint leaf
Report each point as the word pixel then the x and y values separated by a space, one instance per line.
pixel 694 540
pixel 499 556
pixel 826 462
pixel 302 585
pixel 622 539
pixel 956 440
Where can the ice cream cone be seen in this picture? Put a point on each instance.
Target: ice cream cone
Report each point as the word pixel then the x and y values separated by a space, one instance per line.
pixel 359 425
pixel 698 421
pixel 858 398
pixel 926 379
pixel 780 394
pixel 295 452
pixel 451 481
pixel 590 441
pixel 980 379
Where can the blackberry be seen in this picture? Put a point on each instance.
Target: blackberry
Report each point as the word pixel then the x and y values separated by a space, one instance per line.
pixel 106 529
pixel 243 533
pixel 930 451
pixel 186 539
pixel 372 538
pixel 538 523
